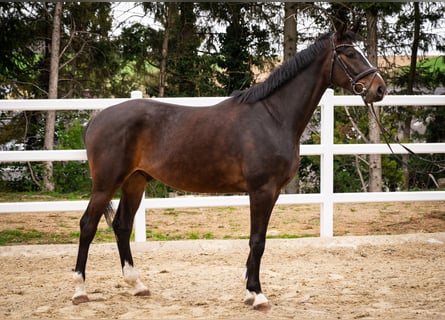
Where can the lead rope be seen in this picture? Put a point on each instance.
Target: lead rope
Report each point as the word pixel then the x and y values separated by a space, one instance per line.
pixel 387 137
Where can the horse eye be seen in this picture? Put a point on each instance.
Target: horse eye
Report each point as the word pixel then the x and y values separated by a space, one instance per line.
pixel 350 54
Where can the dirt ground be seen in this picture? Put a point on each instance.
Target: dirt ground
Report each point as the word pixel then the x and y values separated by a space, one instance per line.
pixel 387 262
pixel 289 221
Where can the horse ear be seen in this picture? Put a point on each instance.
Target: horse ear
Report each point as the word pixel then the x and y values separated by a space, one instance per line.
pixel 341 30
pixel 356 26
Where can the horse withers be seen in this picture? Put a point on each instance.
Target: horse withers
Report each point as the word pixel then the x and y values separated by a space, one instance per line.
pixel 247 143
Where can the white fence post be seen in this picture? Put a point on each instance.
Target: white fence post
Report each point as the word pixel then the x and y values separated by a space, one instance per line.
pixel 140 232
pixel 136 94
pixel 327 165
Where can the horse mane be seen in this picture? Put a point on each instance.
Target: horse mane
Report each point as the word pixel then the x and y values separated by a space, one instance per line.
pixel 288 70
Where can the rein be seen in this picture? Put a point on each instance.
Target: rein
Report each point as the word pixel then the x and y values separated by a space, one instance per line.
pixel 388 138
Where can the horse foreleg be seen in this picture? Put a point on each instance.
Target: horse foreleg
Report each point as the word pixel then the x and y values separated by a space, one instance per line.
pixel 88 226
pixel 261 205
pixel 132 192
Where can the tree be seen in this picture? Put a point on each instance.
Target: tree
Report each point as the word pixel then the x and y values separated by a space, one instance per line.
pixel 289 51
pixel 90 58
pixel 375 160
pixel 416 16
pixel 27 73
pixel 245 44
pixel 48 183
pixel 406 126
pixel 411 37
pixel 184 62
pixel 174 51
pixel 290 30
pixel 234 58
pixel 170 13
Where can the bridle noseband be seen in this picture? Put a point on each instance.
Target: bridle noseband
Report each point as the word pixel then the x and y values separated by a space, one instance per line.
pixel 358 87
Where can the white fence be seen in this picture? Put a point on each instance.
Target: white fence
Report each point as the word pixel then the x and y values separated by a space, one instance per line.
pixel 326 149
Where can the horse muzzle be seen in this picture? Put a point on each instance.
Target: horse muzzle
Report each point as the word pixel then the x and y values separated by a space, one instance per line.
pixel 371 90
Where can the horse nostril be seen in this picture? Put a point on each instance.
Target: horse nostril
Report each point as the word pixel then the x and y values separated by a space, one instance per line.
pixel 381 90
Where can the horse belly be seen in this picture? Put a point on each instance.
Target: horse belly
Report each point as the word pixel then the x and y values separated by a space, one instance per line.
pixel 201 183
pixel 197 173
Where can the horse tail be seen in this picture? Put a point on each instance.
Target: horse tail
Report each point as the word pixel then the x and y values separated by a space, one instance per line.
pixel 85 129
pixel 109 214
pixel 84 133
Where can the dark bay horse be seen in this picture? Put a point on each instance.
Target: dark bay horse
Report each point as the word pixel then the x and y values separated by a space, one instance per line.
pixel 247 143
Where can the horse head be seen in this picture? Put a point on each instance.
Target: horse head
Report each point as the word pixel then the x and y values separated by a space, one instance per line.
pixel 351 70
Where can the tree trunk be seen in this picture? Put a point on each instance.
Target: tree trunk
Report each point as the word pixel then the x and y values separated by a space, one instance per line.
pixel 163 68
pixel 290 48
pixel 290 30
pixel 406 132
pixel 414 49
pixel 375 160
pixel 48 182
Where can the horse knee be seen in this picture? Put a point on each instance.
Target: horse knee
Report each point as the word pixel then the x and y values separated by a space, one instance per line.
pixel 87 230
pixel 83 221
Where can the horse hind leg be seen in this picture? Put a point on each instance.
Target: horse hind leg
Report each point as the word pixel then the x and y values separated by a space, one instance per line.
pixel 132 191
pixel 97 205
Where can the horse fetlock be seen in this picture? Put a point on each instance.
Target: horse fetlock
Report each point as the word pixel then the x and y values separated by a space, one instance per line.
pixel 132 279
pixel 80 293
pixel 249 298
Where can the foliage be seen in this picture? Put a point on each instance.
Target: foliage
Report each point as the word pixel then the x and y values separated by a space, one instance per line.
pixel 214 49
pixel 18 64
pixel 430 74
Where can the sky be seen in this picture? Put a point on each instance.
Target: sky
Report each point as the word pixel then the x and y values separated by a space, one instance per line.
pixel 127 12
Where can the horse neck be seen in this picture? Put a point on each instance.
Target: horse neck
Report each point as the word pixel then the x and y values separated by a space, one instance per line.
pixel 298 98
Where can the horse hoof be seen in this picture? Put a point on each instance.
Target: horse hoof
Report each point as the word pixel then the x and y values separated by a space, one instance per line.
pixel 143 293
pixel 80 299
pixel 263 307
pixel 249 301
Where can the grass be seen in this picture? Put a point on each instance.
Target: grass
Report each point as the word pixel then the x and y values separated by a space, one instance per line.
pixel 31 236
pixel 161 237
pixel 187 236
pixel 102 235
pixel 289 236
pixel 41 196
pixel 19 235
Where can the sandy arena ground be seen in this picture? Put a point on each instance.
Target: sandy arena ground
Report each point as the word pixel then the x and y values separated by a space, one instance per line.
pixel 349 277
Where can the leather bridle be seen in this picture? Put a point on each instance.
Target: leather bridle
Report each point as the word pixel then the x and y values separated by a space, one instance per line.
pixel 358 87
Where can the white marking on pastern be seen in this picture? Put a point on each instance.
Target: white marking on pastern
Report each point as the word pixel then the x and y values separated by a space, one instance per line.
pixel 255 299
pixel 249 298
pixel 79 284
pixel 260 299
pixel 131 277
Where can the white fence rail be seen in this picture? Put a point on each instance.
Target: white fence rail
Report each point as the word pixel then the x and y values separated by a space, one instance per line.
pixel 326 149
